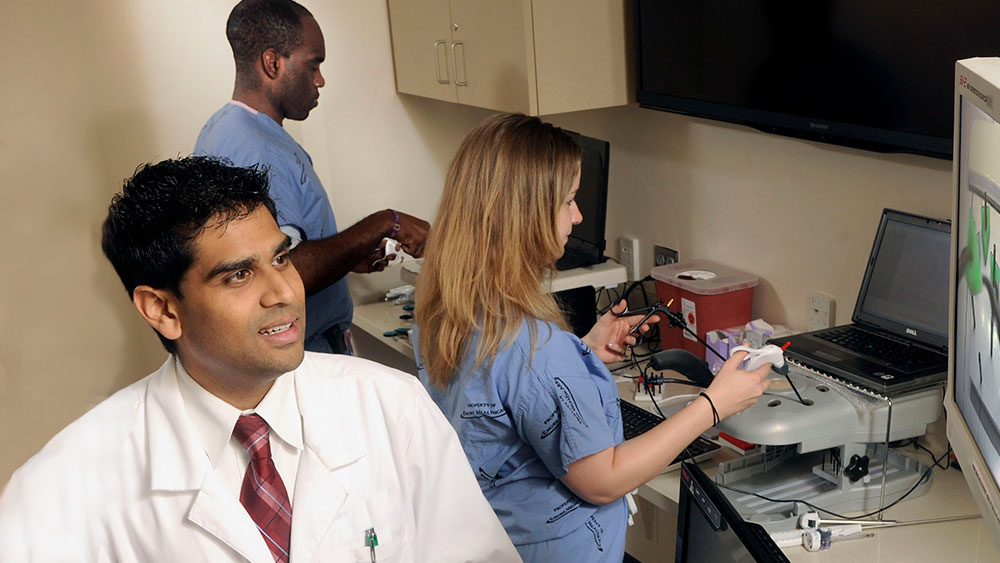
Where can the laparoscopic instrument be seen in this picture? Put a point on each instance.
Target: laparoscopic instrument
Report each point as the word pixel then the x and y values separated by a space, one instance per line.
pixel 676 319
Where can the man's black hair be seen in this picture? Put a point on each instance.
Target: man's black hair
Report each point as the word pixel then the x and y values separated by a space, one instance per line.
pixel 255 26
pixel 152 224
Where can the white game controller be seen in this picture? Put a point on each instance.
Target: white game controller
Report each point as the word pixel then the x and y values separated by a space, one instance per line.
pixel 756 357
pixel 392 252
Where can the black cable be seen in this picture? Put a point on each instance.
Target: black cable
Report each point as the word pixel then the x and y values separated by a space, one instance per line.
pixel 643 355
pixel 677 320
pixel 613 300
pixel 619 368
pixel 637 283
pixel 830 512
pixel 916 444
pixel 649 391
pixel 936 460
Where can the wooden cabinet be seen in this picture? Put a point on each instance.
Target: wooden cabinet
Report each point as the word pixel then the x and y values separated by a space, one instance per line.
pixel 532 56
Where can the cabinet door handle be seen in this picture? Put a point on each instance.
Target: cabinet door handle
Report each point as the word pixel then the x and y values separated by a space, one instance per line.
pixel 437 62
pixel 454 65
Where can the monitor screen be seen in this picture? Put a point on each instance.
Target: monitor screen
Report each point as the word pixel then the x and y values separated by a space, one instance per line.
pixel 873 75
pixel 973 412
pixel 710 529
pixel 586 242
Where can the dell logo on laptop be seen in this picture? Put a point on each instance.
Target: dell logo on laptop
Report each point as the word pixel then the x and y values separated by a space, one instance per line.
pixel 911 332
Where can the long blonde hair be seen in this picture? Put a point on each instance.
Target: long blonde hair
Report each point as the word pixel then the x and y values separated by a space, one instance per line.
pixel 494 239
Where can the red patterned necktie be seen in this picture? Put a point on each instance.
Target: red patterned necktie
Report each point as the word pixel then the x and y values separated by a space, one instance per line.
pixel 264 495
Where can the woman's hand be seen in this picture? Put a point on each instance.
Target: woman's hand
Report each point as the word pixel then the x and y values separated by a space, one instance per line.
pixel 610 338
pixel 734 390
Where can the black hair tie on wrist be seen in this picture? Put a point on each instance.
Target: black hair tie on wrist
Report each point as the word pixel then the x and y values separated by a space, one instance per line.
pixel 715 413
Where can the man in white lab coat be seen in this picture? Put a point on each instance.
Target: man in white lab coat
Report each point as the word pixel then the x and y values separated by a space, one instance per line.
pixel 357 465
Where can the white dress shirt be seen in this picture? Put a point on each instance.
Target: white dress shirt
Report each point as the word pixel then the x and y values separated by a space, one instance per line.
pixel 214 419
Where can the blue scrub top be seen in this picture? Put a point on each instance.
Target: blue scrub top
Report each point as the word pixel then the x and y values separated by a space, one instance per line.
pixel 522 421
pixel 248 137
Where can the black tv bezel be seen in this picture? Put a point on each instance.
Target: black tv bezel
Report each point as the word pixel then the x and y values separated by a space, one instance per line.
pixel 790 125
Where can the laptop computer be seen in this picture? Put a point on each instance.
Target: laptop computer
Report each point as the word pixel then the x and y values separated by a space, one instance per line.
pixel 898 339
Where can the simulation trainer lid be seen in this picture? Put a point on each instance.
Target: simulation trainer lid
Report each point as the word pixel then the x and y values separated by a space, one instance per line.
pixel 704 277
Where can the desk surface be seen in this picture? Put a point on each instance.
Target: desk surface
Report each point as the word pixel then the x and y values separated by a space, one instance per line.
pixel 962 540
pixel 606 274
pixel 377 318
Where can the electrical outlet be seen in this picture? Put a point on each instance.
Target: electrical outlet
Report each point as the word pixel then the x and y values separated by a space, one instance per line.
pixel 663 255
pixel 821 313
pixel 628 256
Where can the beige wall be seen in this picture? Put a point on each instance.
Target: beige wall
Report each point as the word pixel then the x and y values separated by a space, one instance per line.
pixel 100 87
pixel 93 89
pixel 800 215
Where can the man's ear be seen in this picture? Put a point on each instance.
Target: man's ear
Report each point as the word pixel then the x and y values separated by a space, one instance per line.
pixel 159 308
pixel 272 62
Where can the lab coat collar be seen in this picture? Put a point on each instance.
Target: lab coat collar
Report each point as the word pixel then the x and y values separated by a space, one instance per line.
pixel 329 427
pixel 214 419
pixel 330 433
pixel 280 409
pixel 177 461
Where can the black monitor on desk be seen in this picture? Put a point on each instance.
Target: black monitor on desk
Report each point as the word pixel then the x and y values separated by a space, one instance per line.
pixel 586 241
pixel 710 529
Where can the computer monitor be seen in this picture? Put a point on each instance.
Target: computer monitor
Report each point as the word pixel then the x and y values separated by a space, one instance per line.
pixel 971 398
pixel 710 529
pixel 586 242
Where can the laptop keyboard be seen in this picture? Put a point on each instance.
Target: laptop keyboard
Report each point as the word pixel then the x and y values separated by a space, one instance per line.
pixel 637 420
pixel 896 354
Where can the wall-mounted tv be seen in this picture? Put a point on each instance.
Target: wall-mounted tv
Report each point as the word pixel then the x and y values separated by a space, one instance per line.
pixel 874 75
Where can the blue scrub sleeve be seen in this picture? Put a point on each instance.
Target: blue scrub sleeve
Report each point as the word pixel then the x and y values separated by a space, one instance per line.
pixel 287 192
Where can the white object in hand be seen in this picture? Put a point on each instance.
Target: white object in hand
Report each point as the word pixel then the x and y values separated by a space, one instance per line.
pixel 756 357
pixel 394 249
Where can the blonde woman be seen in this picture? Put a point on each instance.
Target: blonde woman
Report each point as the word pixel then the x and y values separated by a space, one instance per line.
pixel 534 406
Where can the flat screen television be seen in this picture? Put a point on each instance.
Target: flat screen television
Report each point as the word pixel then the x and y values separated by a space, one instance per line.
pixel 871 75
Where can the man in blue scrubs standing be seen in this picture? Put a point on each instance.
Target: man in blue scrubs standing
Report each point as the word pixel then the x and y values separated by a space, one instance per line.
pixel 278 48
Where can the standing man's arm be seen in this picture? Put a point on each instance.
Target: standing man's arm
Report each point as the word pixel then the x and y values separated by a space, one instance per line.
pixel 322 262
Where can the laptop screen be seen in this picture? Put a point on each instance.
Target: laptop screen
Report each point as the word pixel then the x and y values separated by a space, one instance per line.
pixel 905 290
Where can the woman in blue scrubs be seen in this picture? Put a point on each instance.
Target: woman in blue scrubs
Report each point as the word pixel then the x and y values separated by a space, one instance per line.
pixel 534 406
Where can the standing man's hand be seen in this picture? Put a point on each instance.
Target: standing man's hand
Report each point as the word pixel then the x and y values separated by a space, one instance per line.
pixel 412 234
pixel 375 262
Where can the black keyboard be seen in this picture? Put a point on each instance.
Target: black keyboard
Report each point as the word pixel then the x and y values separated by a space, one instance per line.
pixel 898 354
pixel 636 420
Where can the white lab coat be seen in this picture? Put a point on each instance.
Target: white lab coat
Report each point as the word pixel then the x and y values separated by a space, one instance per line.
pixel 130 481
